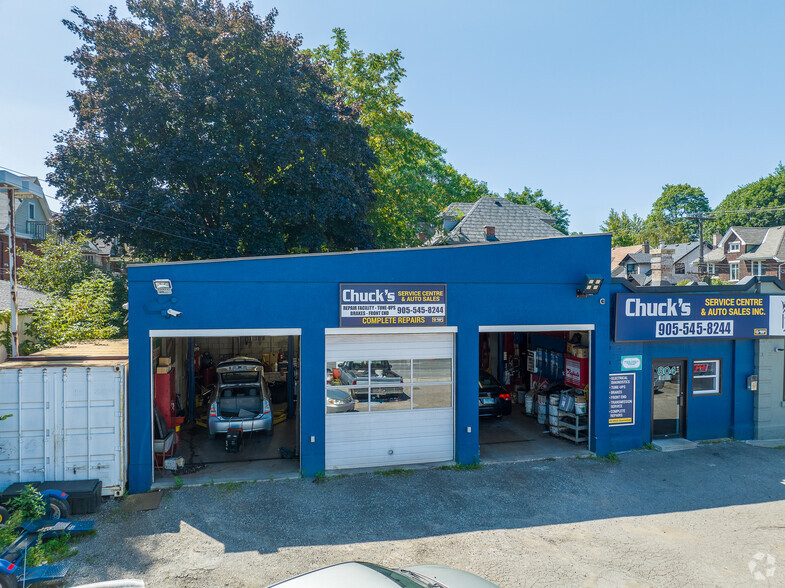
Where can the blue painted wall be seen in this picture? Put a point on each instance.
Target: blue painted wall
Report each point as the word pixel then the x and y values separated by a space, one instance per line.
pixel 729 414
pixel 524 283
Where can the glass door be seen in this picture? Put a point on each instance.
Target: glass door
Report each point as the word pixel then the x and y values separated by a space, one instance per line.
pixel 668 398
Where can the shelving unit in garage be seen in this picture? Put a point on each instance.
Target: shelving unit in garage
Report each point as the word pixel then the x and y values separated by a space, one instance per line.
pixel 574 427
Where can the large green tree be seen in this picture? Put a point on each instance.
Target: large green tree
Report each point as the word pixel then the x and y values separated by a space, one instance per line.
pixel 742 207
pixel 202 132
pixel 413 182
pixel 667 222
pixel 626 230
pixel 57 266
pixel 535 198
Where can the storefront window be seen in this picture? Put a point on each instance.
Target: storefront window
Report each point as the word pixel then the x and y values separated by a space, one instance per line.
pixel 387 384
pixel 706 377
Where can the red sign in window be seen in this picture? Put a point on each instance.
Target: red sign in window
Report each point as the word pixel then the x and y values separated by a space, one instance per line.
pixel 700 367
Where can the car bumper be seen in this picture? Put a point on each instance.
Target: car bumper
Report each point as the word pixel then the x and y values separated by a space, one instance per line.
pixel 332 408
pixel 497 409
pixel 217 425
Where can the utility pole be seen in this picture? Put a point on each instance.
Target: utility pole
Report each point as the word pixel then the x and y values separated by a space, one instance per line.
pixel 701 265
pixel 12 272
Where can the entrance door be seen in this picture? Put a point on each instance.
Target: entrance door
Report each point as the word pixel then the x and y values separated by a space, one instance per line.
pixel 668 398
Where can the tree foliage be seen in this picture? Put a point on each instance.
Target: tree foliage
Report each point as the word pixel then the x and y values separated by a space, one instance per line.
pixel 413 182
pixel 625 229
pixel 59 266
pixel 202 132
pixel 86 313
pixel 666 220
pixel 535 198
pixel 766 192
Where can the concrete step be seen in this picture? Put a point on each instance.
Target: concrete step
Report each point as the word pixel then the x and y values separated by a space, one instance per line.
pixel 676 444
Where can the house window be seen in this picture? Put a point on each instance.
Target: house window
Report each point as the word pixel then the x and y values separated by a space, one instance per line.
pixel 678 268
pixel 733 271
pixel 31 211
pixel 757 268
pixel 632 268
pixel 706 377
pixel 711 269
pixel 734 247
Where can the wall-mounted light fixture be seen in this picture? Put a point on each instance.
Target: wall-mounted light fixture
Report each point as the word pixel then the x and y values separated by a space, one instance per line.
pixel 163 287
pixel 591 285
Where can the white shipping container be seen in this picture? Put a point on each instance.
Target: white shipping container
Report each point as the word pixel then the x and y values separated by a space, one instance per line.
pixel 67 422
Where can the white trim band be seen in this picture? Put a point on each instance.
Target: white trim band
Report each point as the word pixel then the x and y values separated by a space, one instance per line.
pixel 224 332
pixel 532 328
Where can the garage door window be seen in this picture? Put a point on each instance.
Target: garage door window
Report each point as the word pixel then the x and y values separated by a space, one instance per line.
pixel 391 384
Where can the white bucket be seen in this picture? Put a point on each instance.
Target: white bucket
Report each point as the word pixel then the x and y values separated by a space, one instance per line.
pixel 529 403
pixel 554 430
pixel 521 396
pixel 542 409
pixel 580 407
pixel 553 419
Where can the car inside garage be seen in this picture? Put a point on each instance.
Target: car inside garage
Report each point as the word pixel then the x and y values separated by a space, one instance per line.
pixel 225 407
pixel 534 393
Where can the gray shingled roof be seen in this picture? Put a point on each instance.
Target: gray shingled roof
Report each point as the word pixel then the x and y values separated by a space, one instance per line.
pixel 25 297
pixel 751 235
pixel 512 222
pixel 640 257
pixel 714 256
pixel 771 247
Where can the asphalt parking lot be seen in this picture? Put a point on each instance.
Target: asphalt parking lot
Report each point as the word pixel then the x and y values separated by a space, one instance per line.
pixel 712 516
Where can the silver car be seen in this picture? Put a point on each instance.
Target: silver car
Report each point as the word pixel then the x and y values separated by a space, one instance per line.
pixel 339 401
pixel 368 575
pixel 241 398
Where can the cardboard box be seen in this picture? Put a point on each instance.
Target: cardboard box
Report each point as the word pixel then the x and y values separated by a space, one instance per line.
pixel 579 351
pixel 164 361
pixel 164 369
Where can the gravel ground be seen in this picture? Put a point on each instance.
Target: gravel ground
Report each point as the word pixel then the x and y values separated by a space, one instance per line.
pixel 698 517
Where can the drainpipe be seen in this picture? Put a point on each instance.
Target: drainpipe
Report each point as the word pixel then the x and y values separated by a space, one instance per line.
pixel 12 273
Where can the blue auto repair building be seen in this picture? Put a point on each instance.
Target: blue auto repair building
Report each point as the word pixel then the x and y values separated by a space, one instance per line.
pixel 424 310
pixel 421 322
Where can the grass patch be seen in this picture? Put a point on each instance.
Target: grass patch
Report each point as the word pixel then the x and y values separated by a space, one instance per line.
pixel 395 472
pixel 610 458
pixel 230 487
pixel 459 467
pixel 648 446
pixel 713 441
pixel 178 483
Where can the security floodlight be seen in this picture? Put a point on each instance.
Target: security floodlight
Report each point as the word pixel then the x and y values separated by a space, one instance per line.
pixel 591 285
pixel 163 287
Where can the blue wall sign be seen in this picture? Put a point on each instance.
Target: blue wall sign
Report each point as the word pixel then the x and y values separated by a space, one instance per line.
pixel 393 305
pixel 648 317
pixel 621 397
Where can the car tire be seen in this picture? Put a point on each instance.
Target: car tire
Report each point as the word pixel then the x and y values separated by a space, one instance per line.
pixel 58 509
pixel 8 581
pixel 4 514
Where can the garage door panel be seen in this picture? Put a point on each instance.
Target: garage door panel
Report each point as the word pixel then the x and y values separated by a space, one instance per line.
pixel 355 441
pixel 380 438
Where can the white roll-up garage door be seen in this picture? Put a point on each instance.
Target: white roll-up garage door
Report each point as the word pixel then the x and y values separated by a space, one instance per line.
pixel 404 412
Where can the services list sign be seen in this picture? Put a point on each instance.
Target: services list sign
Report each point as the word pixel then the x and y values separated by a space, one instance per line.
pixel 621 395
pixel 647 317
pixel 393 305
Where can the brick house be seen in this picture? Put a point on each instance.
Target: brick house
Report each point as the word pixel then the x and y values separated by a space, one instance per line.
pixel 748 251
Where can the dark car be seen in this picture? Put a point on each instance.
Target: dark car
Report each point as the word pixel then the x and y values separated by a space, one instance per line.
pixel 494 401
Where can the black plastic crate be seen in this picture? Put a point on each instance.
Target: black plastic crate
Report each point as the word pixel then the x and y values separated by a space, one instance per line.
pixel 84 496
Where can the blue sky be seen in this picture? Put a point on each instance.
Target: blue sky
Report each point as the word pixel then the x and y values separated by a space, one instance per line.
pixel 597 103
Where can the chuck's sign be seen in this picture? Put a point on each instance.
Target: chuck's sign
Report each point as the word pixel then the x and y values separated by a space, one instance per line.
pixel 393 305
pixel 644 317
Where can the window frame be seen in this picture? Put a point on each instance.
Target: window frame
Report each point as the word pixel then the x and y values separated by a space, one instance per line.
pixel 711 269
pixel 759 271
pixel 734 246
pixel 717 390
pixel 408 385
pixel 30 211
pixel 733 265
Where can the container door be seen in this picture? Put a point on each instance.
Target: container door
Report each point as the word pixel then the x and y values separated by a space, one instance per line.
pixel 668 398
pixel 91 426
pixel 25 432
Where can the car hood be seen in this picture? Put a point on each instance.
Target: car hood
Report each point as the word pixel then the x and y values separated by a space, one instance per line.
pixel 451 577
